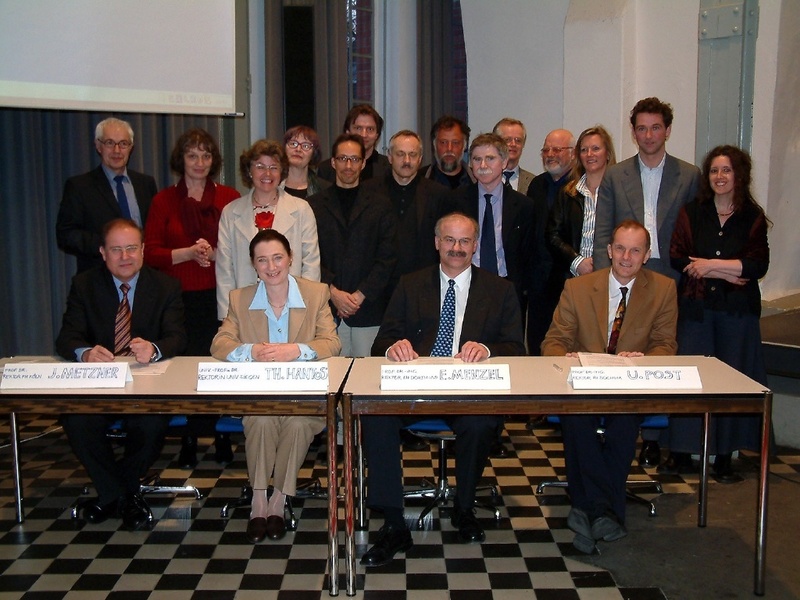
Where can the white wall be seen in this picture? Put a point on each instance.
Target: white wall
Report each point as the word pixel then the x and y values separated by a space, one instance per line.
pixel 515 67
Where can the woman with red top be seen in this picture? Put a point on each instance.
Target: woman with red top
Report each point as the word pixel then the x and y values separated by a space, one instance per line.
pixel 181 240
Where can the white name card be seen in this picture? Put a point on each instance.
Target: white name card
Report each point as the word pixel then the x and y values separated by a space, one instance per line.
pixel 19 376
pixel 262 377
pixel 466 376
pixel 635 378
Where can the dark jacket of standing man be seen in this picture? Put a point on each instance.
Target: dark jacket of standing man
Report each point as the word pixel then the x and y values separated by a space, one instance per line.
pixel 91 200
pixel 88 335
pixel 490 327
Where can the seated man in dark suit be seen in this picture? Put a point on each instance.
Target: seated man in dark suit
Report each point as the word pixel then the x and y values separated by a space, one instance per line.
pixel 121 308
pixel 624 310
pixel 483 321
pixel 110 191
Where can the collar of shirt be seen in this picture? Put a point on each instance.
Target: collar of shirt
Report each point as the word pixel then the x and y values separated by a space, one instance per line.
pixel 643 168
pixel 293 300
pixel 131 292
pixel 110 176
pixel 496 192
pixel 583 188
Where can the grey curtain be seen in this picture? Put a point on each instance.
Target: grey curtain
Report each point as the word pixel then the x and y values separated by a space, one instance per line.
pixel 39 150
pixel 440 56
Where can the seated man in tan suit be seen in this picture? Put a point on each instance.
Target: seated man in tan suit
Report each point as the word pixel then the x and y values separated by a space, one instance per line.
pixel 623 310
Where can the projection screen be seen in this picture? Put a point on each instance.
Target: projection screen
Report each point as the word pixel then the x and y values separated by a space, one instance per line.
pixel 162 56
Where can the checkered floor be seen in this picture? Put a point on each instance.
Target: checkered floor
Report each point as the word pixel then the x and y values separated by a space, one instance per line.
pixel 192 553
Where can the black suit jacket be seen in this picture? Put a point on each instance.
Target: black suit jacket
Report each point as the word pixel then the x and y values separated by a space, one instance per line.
pixel 491 317
pixel 88 203
pixel 414 246
pixel 92 310
pixel 357 253
pixel 522 250
pixel 564 231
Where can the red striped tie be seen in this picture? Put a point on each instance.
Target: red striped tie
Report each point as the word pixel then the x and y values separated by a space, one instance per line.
pixel 122 325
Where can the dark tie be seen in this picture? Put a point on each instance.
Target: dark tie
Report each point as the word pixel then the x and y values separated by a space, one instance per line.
pixel 122 324
pixel 507 176
pixel 122 197
pixel 488 251
pixel 617 325
pixel 443 346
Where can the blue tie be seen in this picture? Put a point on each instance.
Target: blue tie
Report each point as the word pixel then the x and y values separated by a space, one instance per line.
pixel 507 176
pixel 443 346
pixel 488 251
pixel 122 197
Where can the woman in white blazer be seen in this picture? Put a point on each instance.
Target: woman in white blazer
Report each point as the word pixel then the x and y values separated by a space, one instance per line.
pixel 266 206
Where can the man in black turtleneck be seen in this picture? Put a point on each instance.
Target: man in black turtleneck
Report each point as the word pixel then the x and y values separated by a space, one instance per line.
pixel 356 228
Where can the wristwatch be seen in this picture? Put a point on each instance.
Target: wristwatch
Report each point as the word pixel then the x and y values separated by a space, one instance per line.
pixel 155 354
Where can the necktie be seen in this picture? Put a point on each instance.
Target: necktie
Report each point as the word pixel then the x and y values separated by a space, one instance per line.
pixel 122 197
pixel 617 325
pixel 443 346
pixel 122 324
pixel 507 176
pixel 488 251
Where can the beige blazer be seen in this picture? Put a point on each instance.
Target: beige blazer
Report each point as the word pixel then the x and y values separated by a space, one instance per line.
pixel 580 321
pixel 312 325
pixel 293 218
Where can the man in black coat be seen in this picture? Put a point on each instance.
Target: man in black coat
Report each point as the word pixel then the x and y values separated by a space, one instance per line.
pixel 116 309
pixel 486 324
pixel 110 191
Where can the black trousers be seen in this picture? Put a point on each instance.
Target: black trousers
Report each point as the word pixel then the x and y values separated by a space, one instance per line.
pixel 381 440
pixel 112 478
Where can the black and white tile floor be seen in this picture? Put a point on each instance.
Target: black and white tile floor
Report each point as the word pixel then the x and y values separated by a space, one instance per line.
pixel 192 553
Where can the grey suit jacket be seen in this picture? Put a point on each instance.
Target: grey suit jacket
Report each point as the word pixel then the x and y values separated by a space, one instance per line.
pixel 621 197
pixel 525 178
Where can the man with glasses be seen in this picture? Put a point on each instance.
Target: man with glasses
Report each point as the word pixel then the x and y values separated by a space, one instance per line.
pixel 514 135
pixel 356 228
pixel 449 137
pixel 120 308
pixel 558 158
pixel 482 321
pixel 110 191
pixel 365 121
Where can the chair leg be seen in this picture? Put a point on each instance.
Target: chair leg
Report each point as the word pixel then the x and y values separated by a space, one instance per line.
pixel 152 485
pixel 245 499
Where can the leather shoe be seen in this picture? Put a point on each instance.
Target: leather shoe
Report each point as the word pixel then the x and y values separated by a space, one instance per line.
pixel 187 459
pixel 256 530
pixel 608 528
pixel 95 513
pixel 584 544
pixel 677 463
pixel 650 456
pixel 391 540
pixel 498 450
pixel 469 530
pixel 134 511
pixel 723 470
pixel 223 453
pixel 276 527
pixel 578 521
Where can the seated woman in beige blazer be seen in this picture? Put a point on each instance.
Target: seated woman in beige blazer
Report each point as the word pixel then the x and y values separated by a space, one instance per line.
pixel 281 318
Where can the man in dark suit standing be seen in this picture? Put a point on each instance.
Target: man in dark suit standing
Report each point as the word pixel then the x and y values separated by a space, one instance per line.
pixel 506 245
pixel 651 188
pixel 120 308
pixel 110 191
pixel 484 321
pixel 624 310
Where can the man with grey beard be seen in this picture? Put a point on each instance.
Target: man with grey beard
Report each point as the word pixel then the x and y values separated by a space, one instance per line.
pixel 449 137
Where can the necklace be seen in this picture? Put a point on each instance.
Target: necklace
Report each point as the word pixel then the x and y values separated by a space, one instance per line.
pixel 726 214
pixel 256 205
pixel 276 305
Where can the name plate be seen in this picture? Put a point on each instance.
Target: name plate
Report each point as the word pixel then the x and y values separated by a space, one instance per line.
pixel 19 376
pixel 466 376
pixel 635 378
pixel 262 377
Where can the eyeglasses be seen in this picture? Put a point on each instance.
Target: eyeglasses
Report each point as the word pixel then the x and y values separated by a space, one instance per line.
pixel 555 149
pixel 451 241
pixel 269 168
pixel 356 160
pixel 118 250
pixel 123 145
pixel 517 140
pixel 294 144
